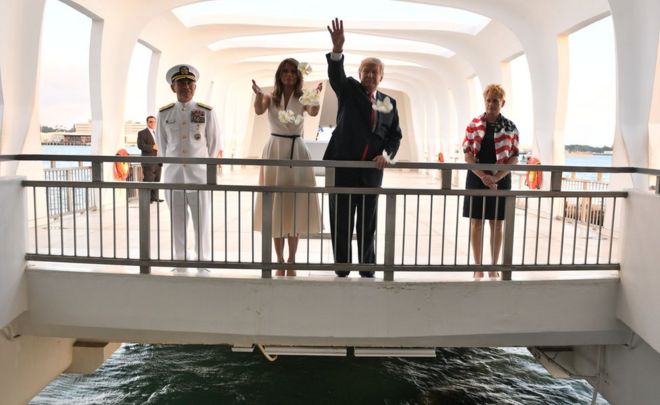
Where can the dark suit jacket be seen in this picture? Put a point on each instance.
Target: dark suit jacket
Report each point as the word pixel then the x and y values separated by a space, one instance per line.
pixel 353 138
pixel 145 142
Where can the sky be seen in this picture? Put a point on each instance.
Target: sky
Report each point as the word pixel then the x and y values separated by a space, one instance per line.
pixel 591 105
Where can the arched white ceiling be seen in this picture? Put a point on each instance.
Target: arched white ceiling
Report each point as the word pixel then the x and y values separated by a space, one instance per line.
pixel 366 14
pixel 456 38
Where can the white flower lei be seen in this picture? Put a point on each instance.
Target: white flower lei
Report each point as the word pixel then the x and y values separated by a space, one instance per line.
pixel 289 117
pixel 310 97
pixel 384 106
pixel 305 68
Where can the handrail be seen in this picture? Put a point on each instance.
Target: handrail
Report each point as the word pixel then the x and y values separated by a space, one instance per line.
pixel 324 163
pixel 332 190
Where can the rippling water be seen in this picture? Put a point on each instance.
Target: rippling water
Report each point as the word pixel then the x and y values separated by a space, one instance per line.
pixel 195 374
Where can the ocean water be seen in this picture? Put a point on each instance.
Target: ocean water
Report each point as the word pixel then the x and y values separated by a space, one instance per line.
pixel 576 160
pixel 75 150
pixel 197 374
pixel 589 160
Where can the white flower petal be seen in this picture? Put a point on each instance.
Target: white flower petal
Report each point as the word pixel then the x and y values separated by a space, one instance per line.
pixel 289 117
pixel 384 106
pixel 310 97
pixel 304 68
pixel 282 116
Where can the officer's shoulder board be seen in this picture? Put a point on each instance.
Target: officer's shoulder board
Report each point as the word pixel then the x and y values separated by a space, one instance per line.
pixel 205 106
pixel 166 107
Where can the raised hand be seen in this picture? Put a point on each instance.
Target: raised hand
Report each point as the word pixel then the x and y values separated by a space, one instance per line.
pixel 260 100
pixel 337 35
pixel 256 89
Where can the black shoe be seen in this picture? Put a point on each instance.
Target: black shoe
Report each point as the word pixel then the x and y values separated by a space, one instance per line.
pixel 342 273
pixel 367 274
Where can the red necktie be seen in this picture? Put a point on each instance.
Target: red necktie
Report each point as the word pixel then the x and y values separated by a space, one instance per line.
pixel 372 98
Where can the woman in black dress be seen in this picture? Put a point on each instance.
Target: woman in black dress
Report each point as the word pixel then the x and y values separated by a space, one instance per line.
pixel 489 138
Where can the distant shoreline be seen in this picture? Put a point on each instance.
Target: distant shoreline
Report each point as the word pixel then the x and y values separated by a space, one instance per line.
pixel 567 153
pixel 606 153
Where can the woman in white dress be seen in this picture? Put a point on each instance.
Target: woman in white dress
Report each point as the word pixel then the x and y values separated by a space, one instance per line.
pixel 297 215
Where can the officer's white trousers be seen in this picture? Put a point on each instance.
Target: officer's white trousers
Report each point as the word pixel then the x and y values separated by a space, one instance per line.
pixel 186 206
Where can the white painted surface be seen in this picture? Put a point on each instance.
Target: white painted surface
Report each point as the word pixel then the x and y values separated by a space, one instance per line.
pixel 639 302
pixel 13 292
pixel 637 28
pixel 336 312
pixel 629 373
pixel 28 364
pixel 89 356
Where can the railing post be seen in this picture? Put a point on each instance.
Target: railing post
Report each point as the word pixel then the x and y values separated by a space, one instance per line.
pixel 69 192
pixel 266 233
pixel 212 174
pixel 446 179
pixel 657 185
pixel 390 229
pixel 329 176
pixel 509 225
pixel 144 219
pixel 555 181
pixel 97 172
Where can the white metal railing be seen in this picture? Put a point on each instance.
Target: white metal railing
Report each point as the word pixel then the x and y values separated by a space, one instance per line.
pixel 419 229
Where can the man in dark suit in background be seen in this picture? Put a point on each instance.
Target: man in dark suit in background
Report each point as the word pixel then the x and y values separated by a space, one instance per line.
pixel 367 126
pixel 146 144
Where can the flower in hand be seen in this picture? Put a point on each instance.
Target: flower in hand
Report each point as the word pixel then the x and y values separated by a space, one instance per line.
pixel 384 106
pixel 305 68
pixel 289 117
pixel 310 97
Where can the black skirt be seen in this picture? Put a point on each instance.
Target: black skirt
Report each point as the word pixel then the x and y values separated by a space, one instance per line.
pixel 474 207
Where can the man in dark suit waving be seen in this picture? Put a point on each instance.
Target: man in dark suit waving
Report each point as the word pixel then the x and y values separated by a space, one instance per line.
pixel 148 147
pixel 367 129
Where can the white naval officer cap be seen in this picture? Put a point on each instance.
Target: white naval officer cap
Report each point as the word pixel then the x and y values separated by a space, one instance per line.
pixel 178 72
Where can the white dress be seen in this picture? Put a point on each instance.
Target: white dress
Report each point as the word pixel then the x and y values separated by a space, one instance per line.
pixel 292 216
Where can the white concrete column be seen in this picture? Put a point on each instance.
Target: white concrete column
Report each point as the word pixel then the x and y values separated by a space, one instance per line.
pixel 461 93
pixel 542 57
pixel 19 65
pixel 13 288
pixel 636 29
pixel 111 47
pixel 152 80
pixel 654 120
pixel 563 69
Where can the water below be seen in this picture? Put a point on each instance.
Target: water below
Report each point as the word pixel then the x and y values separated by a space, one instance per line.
pixel 198 374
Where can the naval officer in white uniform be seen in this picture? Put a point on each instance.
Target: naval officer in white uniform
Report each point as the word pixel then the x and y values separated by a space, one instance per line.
pixel 188 129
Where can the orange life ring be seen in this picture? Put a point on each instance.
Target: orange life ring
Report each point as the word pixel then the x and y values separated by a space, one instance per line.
pixel 441 157
pixel 120 169
pixel 534 179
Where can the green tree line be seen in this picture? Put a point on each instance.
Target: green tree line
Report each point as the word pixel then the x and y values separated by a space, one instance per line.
pixel 587 148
